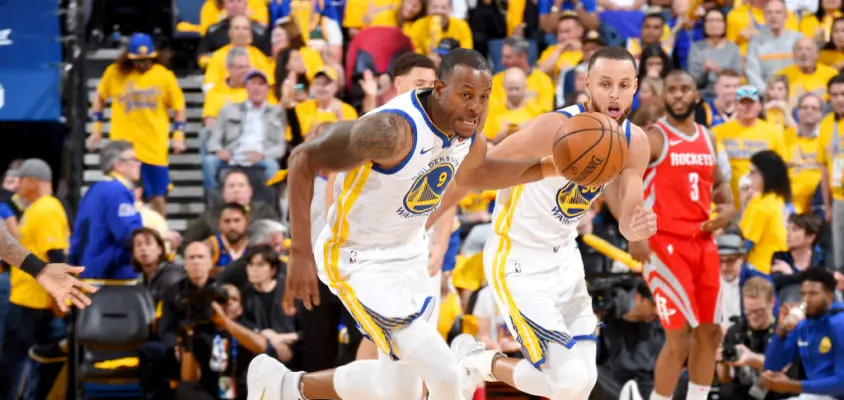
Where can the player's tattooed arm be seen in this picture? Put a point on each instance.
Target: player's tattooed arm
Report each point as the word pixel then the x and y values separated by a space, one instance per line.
pixel 11 250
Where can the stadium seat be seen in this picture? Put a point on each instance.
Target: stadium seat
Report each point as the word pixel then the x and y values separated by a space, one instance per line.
pixel 375 49
pixel 108 333
pixel 495 54
pixel 186 15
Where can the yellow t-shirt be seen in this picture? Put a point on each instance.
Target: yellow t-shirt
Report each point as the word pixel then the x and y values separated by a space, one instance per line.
pixel 803 168
pixel 311 58
pixel 742 142
pixel 427 35
pixel 209 15
pixel 383 13
pixel 566 60
pixel 302 11
pixel 775 117
pixel 140 109
pixel 310 115
pixel 810 24
pixel 830 154
pixel 763 223
pixel 43 227
pixel 833 58
pixel 539 97
pixel 815 82
pixel 450 309
pixel 634 45
pixel 220 95
pixel 217 72
pixel 477 201
pixel 512 118
pixel 740 18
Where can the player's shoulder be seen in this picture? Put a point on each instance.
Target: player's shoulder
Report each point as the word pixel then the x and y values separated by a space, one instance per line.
pixel 572 110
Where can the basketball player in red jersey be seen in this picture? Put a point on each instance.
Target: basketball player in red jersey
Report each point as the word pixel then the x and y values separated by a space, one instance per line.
pixel 684 271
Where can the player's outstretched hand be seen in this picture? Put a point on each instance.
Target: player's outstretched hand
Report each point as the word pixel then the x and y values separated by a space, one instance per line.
pixel 301 283
pixel 642 225
pixel 724 213
pixel 640 250
pixel 57 280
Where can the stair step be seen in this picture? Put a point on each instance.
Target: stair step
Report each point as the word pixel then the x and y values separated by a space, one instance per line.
pixel 93 159
pixel 195 192
pixel 177 224
pixel 176 176
pixel 193 113
pixel 190 82
pixel 190 127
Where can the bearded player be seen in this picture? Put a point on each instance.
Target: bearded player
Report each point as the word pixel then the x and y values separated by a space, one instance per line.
pixel 532 261
pixel 682 181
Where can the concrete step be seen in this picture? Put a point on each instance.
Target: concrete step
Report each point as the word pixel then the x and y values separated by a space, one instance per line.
pixel 187 83
pixel 93 160
pixel 176 176
pixel 196 99
pixel 191 127
pixel 194 114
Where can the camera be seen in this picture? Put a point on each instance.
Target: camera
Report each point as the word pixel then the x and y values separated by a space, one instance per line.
pixel 197 303
pixel 729 353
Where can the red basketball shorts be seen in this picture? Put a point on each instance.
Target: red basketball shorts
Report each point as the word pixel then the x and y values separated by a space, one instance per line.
pixel 684 274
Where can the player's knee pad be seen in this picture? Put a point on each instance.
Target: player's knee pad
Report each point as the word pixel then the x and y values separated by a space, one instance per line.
pixel 407 385
pixel 568 381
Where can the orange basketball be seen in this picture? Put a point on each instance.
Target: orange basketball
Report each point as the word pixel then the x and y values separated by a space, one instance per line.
pixel 590 149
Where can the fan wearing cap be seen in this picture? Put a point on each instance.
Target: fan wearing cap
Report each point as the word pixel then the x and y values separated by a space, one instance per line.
pixel 746 135
pixel 426 33
pixel 240 34
pixel 446 45
pixel 734 271
pixel 142 93
pixel 45 231
pixel 567 53
pixel 324 106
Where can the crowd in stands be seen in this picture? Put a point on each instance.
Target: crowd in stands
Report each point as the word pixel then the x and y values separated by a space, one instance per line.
pixel 278 73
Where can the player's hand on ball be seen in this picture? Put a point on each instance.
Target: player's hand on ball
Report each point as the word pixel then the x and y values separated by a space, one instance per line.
pixel 301 283
pixel 640 250
pixel 642 225
pixel 724 213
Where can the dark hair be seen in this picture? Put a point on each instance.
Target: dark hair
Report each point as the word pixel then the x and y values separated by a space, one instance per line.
pixel 822 276
pixel 125 64
pixel 148 232
pixel 830 45
pixel 774 173
pixel 408 61
pixel 235 171
pixel 809 222
pixel 719 11
pixel 821 13
pixel 423 11
pixel 612 53
pixel 236 207
pixel 266 251
pixel 651 51
pixel 835 80
pixel 654 15
pixel 281 71
pixel 466 57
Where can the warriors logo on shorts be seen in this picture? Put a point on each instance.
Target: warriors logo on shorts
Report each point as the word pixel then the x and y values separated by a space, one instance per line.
pixel 573 201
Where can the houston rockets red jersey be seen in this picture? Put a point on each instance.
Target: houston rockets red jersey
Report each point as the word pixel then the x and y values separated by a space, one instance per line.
pixel 678 185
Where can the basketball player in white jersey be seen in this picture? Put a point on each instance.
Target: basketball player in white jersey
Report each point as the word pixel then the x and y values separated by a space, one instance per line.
pixel 396 163
pixel 532 261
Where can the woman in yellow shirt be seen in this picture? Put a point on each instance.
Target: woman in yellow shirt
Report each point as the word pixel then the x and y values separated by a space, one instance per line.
pixel 287 35
pixel 214 11
pixel 819 25
pixel 778 105
pixel 768 197
pixel 832 53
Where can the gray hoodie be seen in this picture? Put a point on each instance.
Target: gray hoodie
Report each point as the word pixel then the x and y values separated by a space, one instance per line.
pixel 766 55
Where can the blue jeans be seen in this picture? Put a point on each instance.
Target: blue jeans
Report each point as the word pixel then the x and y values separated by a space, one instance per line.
pixel 24 328
pixel 5 289
pixel 211 166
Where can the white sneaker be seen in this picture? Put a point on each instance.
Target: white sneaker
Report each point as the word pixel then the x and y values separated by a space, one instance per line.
pixel 268 379
pixel 464 346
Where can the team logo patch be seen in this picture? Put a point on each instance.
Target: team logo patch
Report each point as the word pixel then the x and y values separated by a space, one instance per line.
pixel 825 346
pixel 573 201
pixel 126 210
pixel 427 190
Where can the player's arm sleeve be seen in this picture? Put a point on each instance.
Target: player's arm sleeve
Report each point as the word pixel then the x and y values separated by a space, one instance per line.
pixel 831 385
pixel 781 351
pixel 724 165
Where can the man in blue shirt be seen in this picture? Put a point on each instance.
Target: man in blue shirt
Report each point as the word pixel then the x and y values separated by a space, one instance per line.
pixel 818 340
pixel 101 238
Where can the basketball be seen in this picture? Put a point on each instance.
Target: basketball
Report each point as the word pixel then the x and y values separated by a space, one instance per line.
pixel 590 149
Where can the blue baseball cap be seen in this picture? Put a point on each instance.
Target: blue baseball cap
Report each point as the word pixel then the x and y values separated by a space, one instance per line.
pixel 255 73
pixel 141 46
pixel 446 45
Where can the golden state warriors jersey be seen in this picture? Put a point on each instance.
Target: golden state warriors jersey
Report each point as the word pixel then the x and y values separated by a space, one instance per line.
pixel 376 207
pixel 545 214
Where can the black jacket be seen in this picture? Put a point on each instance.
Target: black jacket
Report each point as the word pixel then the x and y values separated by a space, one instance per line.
pixel 164 277
pixel 253 310
pixel 218 36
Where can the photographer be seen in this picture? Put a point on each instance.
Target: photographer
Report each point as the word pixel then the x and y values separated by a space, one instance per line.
pixel 817 340
pixel 742 355
pixel 200 322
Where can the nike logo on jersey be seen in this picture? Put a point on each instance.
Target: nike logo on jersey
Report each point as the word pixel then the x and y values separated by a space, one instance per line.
pixel 423 151
pixel 675 142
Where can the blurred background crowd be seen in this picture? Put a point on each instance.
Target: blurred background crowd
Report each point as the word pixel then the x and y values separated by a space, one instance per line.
pixel 149 144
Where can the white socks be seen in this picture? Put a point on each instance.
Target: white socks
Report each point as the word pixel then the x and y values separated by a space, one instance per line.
pixel 697 392
pixel 657 396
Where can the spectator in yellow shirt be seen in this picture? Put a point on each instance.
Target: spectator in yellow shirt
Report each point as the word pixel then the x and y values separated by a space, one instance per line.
pixel 807 75
pixel 217 35
pixel 768 198
pixel 214 11
pixel 499 126
pixel 241 38
pixel 832 53
pixel 231 90
pixel 402 17
pixel 324 107
pixel 305 60
pixel 818 26
pixel 831 157
pixel 427 32
pixel 45 232
pixel 654 32
pixel 539 97
pixel 803 148
pixel 746 21
pixel 778 102
pixel 362 14
pixel 568 52
pixel 746 135
pixel 143 92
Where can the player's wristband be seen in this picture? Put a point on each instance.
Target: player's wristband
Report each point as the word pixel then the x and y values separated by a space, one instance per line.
pixel 179 130
pixel 32 265
pixel 98 116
